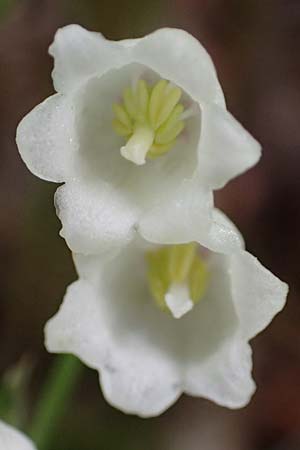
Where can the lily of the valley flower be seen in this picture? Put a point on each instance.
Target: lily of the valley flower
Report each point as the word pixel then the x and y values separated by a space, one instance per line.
pixel 12 439
pixel 138 131
pixel 156 321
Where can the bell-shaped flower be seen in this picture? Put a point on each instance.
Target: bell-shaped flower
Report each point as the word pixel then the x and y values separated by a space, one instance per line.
pixel 12 439
pixel 139 134
pixel 156 321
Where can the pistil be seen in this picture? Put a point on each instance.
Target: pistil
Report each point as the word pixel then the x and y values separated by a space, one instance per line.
pixel 138 145
pixel 177 277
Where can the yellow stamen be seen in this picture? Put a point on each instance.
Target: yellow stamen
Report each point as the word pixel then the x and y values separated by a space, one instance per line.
pixel 181 258
pixel 176 265
pixel 122 115
pixel 156 99
pixel 130 103
pixel 169 134
pixel 150 114
pixel 120 128
pixel 143 96
pixel 159 149
pixel 170 101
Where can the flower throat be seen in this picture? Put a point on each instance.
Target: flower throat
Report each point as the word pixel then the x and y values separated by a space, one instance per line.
pixel 150 119
pixel 176 264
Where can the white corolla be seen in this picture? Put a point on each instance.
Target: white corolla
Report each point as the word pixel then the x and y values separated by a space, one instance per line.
pixel 139 134
pixel 159 320
pixel 12 439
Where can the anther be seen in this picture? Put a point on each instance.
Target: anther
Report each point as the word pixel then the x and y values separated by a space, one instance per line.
pixel 150 118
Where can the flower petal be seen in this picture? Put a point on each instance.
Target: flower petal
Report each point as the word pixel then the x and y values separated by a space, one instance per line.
pixel 79 327
pixel 79 54
pixel 173 53
pixel 140 373
pixel 116 336
pixel 224 377
pixel 254 296
pixel 226 149
pixel 180 214
pixel 141 380
pixel 45 139
pixel 217 363
pixel 222 236
pixel 12 439
pixel 257 293
pixel 191 218
pixel 178 56
pixel 96 217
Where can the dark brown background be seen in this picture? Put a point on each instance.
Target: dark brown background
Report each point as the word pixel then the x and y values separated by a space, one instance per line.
pixel 255 45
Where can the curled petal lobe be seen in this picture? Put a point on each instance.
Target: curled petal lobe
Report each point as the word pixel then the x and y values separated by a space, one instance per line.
pixel 257 293
pixel 185 221
pixel 178 56
pixel 144 382
pixel 12 439
pixel 46 140
pixel 225 149
pixel 66 332
pixel 79 54
pixel 222 236
pixel 224 377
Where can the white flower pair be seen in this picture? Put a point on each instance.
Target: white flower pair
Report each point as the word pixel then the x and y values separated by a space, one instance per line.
pixel 167 297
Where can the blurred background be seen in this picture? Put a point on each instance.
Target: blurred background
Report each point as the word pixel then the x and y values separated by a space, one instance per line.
pixel 255 45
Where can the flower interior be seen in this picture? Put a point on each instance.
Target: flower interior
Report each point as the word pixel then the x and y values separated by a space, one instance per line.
pixel 177 277
pixel 150 118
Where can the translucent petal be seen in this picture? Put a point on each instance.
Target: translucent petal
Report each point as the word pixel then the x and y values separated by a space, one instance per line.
pixel 186 212
pixel 258 294
pixel 226 149
pixel 218 361
pixel 96 217
pixel 179 57
pixel 79 54
pixel 224 377
pixel 115 330
pixel 46 139
pixel 222 236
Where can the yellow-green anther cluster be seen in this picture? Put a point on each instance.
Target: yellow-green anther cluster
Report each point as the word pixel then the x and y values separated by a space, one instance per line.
pixel 176 264
pixel 149 118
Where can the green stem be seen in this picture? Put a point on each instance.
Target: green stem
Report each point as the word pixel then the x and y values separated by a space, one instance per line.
pixel 54 399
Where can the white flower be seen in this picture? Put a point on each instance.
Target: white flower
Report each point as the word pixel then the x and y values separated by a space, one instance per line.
pixel 158 321
pixel 12 439
pixel 138 132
